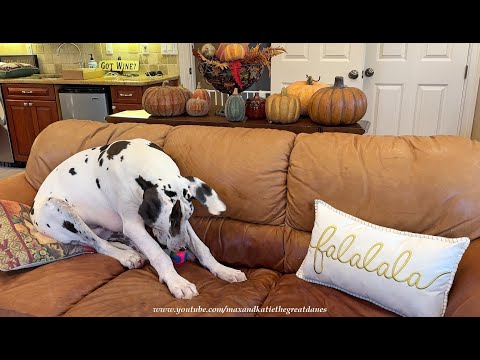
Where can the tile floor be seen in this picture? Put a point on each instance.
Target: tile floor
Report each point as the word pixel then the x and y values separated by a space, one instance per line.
pixel 9 171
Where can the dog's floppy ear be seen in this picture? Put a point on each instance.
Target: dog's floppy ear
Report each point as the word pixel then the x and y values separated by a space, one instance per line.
pixel 151 206
pixel 205 195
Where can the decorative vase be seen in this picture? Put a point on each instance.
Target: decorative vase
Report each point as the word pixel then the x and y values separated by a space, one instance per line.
pixel 255 107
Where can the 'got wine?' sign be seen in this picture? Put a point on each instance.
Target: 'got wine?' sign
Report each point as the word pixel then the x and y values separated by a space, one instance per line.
pixel 119 65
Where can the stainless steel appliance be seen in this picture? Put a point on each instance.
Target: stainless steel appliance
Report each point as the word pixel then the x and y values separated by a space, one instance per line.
pixel 6 153
pixel 84 102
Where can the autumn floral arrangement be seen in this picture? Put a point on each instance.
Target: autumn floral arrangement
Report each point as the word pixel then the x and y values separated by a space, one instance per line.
pixel 234 65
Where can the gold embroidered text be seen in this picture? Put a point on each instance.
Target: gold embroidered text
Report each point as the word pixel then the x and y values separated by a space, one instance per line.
pixel 360 261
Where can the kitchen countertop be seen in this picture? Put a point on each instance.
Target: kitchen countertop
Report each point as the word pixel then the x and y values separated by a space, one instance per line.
pixel 104 80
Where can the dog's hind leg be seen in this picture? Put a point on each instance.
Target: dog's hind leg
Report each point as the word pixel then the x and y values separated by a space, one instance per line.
pixel 58 219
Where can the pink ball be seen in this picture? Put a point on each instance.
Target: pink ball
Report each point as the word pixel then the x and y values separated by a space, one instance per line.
pixel 179 257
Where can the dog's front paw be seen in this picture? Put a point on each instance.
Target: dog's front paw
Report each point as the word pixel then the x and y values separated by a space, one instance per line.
pixel 228 274
pixel 131 259
pixel 181 288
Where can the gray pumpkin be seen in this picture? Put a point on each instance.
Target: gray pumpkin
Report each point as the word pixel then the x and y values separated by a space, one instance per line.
pixel 235 107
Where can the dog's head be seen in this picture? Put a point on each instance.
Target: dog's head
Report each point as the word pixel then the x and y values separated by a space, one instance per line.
pixel 167 206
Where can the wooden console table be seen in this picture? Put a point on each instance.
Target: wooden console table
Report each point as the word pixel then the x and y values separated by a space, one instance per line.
pixel 304 125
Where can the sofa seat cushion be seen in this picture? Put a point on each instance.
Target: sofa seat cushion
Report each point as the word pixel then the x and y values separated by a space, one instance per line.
pixel 292 292
pixel 138 292
pixel 50 290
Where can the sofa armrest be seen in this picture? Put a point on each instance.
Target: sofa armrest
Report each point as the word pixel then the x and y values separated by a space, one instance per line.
pixel 17 188
pixel 464 297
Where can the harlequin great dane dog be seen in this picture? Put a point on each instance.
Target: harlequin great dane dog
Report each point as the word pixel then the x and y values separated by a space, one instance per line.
pixel 122 187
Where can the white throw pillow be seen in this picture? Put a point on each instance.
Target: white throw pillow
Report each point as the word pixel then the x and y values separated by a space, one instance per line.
pixel 406 273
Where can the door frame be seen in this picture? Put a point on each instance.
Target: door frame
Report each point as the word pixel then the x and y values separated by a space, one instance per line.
pixel 470 90
pixel 470 87
pixel 186 63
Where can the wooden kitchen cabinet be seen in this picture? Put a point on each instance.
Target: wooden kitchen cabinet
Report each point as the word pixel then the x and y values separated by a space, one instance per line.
pixel 130 97
pixel 22 130
pixel 117 107
pixel 28 116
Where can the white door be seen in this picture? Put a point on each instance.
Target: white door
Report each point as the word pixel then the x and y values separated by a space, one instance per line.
pixel 317 59
pixel 416 89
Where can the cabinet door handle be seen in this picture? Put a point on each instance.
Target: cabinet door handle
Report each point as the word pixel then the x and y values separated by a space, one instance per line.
pixel 127 95
pixel 30 104
pixel 25 104
pixel 27 92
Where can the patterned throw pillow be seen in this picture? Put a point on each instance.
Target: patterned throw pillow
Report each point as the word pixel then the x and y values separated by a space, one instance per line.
pixel 22 246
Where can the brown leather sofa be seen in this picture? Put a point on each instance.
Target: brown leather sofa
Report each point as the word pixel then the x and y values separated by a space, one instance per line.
pixel 269 180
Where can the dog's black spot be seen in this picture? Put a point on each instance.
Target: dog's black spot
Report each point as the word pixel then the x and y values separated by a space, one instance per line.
pixel 169 186
pixel 102 151
pixel 202 192
pixel 66 200
pixel 164 187
pixel 121 158
pixel 155 146
pixel 151 206
pixel 144 184
pixel 58 209
pixel 31 210
pixel 93 148
pixel 69 226
pixel 50 198
pixel 178 176
pixel 170 193
pixel 185 192
pixel 107 168
pixel 48 225
pixel 116 148
pixel 101 162
pixel 98 183
pixel 172 200
pixel 86 160
pixel 36 223
pixel 175 219
pixel 72 171
pixel 189 178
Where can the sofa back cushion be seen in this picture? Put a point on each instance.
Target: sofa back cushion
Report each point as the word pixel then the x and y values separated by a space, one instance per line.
pixel 418 184
pixel 425 185
pixel 246 167
pixel 62 139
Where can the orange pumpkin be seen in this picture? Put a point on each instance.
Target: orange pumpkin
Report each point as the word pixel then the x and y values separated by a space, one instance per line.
pixel 187 93
pixel 220 53
pixel 164 100
pixel 282 108
pixel 338 105
pixel 305 90
pixel 200 93
pixel 234 52
pixel 197 107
